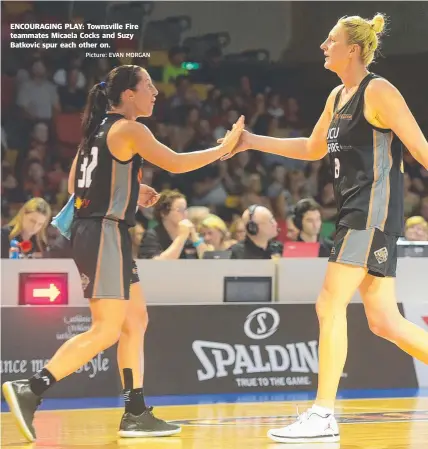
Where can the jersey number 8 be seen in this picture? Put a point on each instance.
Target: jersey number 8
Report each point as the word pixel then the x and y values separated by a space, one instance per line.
pixel 86 178
pixel 336 167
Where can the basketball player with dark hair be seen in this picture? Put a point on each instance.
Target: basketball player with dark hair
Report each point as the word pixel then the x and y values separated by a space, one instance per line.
pixel 356 129
pixel 105 180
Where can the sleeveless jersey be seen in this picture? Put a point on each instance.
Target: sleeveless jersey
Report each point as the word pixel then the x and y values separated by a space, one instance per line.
pixel 367 168
pixel 105 187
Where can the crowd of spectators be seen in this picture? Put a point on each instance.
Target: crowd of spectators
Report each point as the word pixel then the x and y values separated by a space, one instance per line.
pixel 43 97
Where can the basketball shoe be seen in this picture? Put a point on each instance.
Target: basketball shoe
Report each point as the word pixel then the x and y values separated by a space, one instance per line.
pixel 310 427
pixel 23 403
pixel 145 425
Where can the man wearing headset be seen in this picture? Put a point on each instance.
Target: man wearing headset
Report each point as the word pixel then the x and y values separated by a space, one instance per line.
pixel 261 228
pixel 307 219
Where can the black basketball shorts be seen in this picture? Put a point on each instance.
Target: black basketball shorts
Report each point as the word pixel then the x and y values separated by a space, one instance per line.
pixel 102 250
pixel 368 248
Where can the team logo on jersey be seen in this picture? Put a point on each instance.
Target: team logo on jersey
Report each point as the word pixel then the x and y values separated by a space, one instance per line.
pixel 81 204
pixel 381 255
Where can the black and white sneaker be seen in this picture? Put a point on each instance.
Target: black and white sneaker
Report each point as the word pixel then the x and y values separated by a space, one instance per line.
pixel 23 404
pixel 145 425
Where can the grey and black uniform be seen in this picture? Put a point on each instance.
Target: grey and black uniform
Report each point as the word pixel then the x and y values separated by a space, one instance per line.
pixel 106 192
pixel 368 185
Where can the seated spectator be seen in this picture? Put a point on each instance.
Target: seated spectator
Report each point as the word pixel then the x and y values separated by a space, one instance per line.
pixel 58 246
pixel 253 193
pixel 74 64
pixel 71 97
pixel 261 228
pixel 416 229
pixel 28 228
pixel 175 236
pixel 38 97
pixel 307 218
pixel 197 214
pixel 292 231
pixel 411 199
pixel 280 211
pixel 136 234
pixel 215 234
pixel 237 230
pixel 172 70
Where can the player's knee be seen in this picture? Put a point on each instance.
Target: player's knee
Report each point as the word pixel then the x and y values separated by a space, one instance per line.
pixel 328 304
pixel 136 321
pixel 383 324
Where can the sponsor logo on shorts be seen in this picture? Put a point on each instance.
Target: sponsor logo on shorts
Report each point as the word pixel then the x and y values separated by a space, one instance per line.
pixel 346 418
pixel 381 255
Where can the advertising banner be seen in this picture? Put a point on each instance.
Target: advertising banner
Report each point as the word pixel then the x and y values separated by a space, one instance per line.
pixel 206 349
pixel 253 348
pixel 31 335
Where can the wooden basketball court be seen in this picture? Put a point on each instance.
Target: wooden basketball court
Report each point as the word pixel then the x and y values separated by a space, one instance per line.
pixel 365 424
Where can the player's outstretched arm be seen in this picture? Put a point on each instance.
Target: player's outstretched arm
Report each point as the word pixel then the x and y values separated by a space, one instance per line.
pixel 308 149
pixel 142 141
pixel 391 110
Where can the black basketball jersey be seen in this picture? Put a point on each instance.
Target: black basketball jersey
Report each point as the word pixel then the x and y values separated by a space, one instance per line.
pixel 105 187
pixel 367 168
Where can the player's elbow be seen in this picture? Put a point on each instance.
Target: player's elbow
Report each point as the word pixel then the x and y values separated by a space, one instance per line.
pixel 315 150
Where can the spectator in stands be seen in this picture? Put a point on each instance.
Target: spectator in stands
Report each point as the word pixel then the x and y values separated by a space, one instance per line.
pixel 411 199
pixel 307 218
pixel 280 212
pixel 261 229
pixel 171 71
pixel 197 214
pixel 292 231
pixel 74 65
pixel 416 229
pixel 237 230
pixel 136 234
pixel 28 227
pixel 208 187
pixel 424 207
pixel 253 193
pixel 215 234
pixel 38 97
pixel 175 236
pixel 274 105
pixel 71 97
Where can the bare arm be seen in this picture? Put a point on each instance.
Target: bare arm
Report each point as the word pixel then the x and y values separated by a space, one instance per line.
pixel 308 149
pixel 72 175
pixel 390 109
pixel 130 137
pixel 174 250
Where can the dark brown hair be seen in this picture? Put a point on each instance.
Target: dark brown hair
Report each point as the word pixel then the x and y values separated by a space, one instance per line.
pixel 105 95
pixel 163 206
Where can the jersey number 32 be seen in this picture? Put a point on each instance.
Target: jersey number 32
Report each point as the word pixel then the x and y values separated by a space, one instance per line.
pixel 87 167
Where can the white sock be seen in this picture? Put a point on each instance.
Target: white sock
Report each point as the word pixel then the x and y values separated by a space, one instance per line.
pixel 323 411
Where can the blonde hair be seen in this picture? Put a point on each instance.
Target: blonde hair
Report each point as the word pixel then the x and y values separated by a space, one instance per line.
pixel 214 222
pixel 416 220
pixel 34 205
pixel 364 33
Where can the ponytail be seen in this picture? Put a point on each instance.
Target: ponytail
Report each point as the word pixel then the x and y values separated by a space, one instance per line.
pixel 95 110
